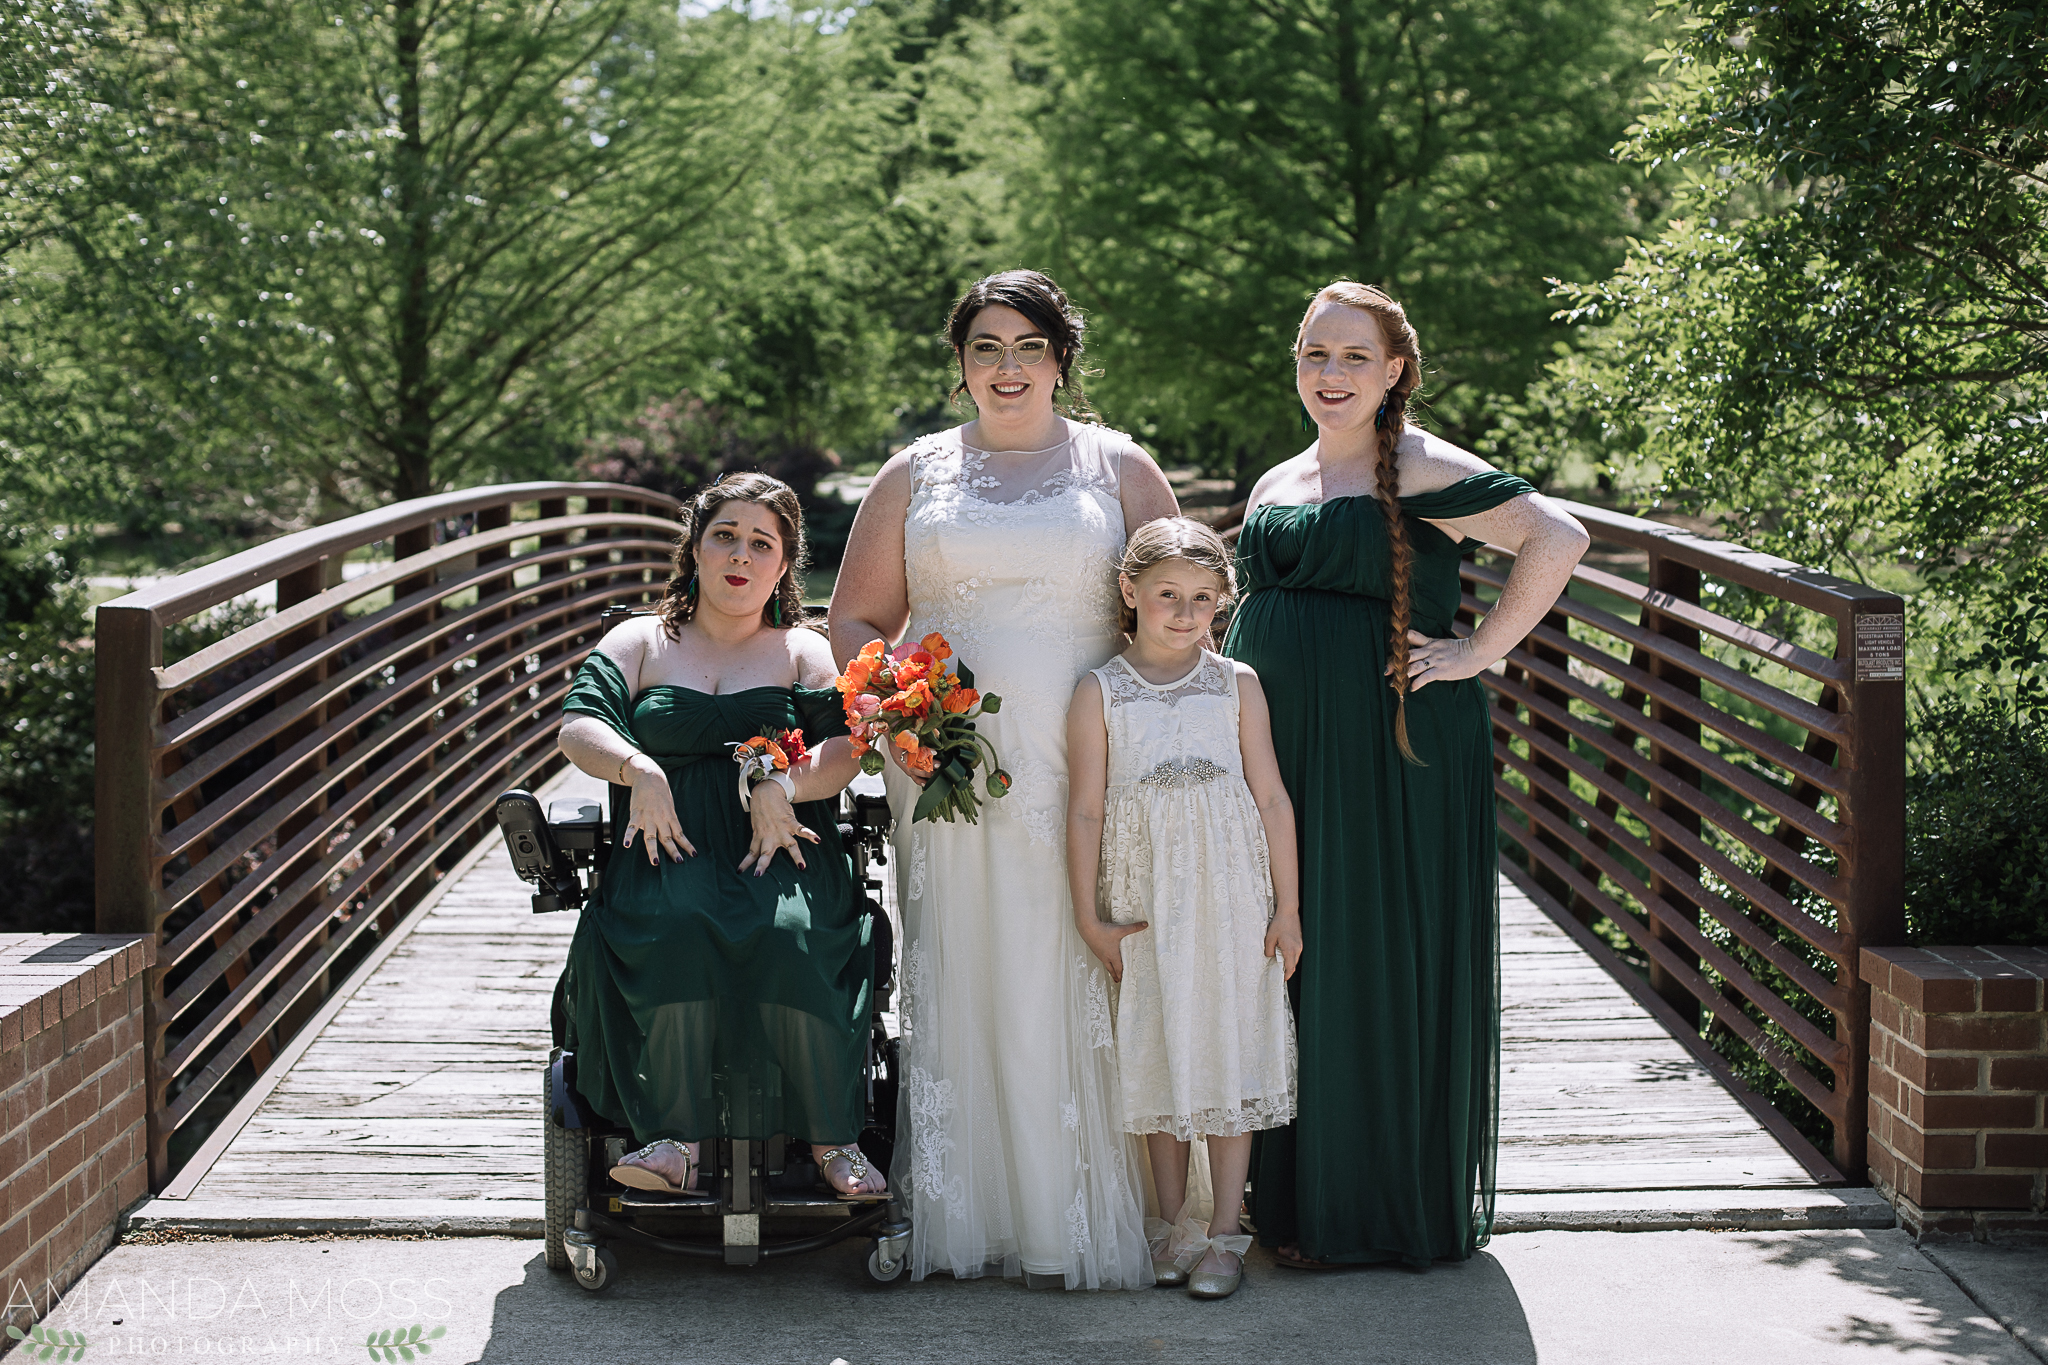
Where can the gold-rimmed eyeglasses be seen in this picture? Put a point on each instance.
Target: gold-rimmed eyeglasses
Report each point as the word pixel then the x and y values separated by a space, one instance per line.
pixel 1029 351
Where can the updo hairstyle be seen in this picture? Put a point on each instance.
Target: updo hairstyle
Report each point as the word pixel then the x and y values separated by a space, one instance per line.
pixel 1046 305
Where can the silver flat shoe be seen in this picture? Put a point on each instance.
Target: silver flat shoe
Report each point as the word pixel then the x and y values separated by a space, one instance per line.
pixel 1165 1270
pixel 1179 1246
pixel 1209 1284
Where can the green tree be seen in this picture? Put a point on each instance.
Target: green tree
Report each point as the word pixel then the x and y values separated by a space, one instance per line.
pixel 1211 163
pixel 862 232
pixel 46 106
pixel 59 133
pixel 390 246
pixel 1837 346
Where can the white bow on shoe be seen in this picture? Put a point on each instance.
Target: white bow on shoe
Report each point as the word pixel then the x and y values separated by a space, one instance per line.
pixel 1175 1247
pixel 1212 1284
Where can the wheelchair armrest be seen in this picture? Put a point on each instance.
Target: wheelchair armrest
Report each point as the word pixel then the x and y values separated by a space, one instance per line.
pixel 577 824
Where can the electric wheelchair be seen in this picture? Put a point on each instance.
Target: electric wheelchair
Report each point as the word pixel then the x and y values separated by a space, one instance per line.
pixel 753 1189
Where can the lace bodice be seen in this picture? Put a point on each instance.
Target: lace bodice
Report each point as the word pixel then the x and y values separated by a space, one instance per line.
pixel 1171 734
pixel 1013 559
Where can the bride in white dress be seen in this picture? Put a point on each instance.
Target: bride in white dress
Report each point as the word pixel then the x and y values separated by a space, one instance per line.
pixel 1003 535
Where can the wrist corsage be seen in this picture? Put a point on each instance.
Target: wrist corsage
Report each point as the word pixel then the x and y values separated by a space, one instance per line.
pixel 766 758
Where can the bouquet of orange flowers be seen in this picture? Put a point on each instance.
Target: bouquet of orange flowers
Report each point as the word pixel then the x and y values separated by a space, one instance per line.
pixel 911 700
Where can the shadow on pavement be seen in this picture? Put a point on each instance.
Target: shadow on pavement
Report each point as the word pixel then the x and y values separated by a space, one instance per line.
pixel 1894 1267
pixel 823 1307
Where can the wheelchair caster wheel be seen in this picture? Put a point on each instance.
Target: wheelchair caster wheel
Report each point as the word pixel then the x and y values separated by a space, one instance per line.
pixel 883 1272
pixel 601 1272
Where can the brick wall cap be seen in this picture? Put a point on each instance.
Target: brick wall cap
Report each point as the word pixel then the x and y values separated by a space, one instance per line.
pixel 1884 965
pixel 35 969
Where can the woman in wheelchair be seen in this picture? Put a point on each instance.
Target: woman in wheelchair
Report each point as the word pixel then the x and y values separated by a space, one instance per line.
pixel 713 988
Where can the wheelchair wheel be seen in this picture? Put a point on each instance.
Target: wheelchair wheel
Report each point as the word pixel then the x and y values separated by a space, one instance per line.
pixel 878 1274
pixel 565 1169
pixel 603 1273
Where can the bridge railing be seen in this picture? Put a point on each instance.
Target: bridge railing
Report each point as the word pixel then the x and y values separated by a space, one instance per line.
pixel 270 804
pixel 1707 767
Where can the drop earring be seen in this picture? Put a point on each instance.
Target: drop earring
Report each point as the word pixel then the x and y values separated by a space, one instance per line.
pixel 1306 423
pixel 776 610
pixel 1379 419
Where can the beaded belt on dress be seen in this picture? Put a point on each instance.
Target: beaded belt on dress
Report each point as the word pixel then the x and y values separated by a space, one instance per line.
pixel 1193 772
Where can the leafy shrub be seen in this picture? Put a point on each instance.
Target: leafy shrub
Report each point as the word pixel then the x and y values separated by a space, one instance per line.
pixel 46 739
pixel 1977 828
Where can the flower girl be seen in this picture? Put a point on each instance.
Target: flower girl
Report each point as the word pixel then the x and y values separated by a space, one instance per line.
pixel 1181 836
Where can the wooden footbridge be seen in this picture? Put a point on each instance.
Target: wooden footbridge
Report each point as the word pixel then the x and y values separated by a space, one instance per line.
pixel 349 1014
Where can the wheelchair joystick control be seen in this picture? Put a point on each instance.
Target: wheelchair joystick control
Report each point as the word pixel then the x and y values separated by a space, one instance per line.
pixel 551 849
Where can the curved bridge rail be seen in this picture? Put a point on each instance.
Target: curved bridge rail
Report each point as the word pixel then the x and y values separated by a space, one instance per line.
pixel 1728 799
pixel 269 805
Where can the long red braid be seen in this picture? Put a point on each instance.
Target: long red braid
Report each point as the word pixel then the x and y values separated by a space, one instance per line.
pixel 1401 342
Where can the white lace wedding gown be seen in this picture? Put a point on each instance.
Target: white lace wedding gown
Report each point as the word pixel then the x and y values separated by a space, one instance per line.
pixel 1205 1040
pixel 1009 1149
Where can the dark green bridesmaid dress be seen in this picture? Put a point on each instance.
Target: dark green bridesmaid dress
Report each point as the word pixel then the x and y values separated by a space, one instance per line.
pixel 1397 1000
pixel 706 1002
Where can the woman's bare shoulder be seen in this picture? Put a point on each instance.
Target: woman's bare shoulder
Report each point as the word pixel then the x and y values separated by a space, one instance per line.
pixel 812 655
pixel 1429 462
pixel 632 640
pixel 892 481
pixel 1279 476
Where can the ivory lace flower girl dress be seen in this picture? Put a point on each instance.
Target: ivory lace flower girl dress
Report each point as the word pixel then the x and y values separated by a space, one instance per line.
pixel 1205 1040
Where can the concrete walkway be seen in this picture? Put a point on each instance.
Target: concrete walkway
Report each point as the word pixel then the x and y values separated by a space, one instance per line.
pixel 1673 1298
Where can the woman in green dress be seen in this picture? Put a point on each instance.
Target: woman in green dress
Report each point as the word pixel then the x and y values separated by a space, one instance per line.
pixel 1349 563
pixel 714 988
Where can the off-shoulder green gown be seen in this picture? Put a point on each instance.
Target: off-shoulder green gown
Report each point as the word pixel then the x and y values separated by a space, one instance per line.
pixel 1397 999
pixel 703 1001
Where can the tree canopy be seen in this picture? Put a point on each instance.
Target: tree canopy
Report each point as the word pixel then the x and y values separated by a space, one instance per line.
pixel 391 239
pixel 1212 163
pixel 1840 344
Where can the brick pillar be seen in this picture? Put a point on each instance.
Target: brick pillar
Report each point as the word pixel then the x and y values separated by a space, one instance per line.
pixel 74 1150
pixel 1958 1088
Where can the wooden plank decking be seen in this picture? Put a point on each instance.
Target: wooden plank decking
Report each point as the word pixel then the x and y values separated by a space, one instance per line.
pixel 425 1084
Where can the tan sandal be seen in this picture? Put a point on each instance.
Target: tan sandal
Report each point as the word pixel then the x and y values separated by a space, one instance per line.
pixel 856 1166
pixel 645 1178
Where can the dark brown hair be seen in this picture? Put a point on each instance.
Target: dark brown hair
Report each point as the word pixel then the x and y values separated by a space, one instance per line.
pixel 679 603
pixel 1156 542
pixel 1400 341
pixel 1047 308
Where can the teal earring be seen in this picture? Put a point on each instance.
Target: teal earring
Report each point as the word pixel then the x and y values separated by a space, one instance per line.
pixel 1306 423
pixel 776 611
pixel 690 593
